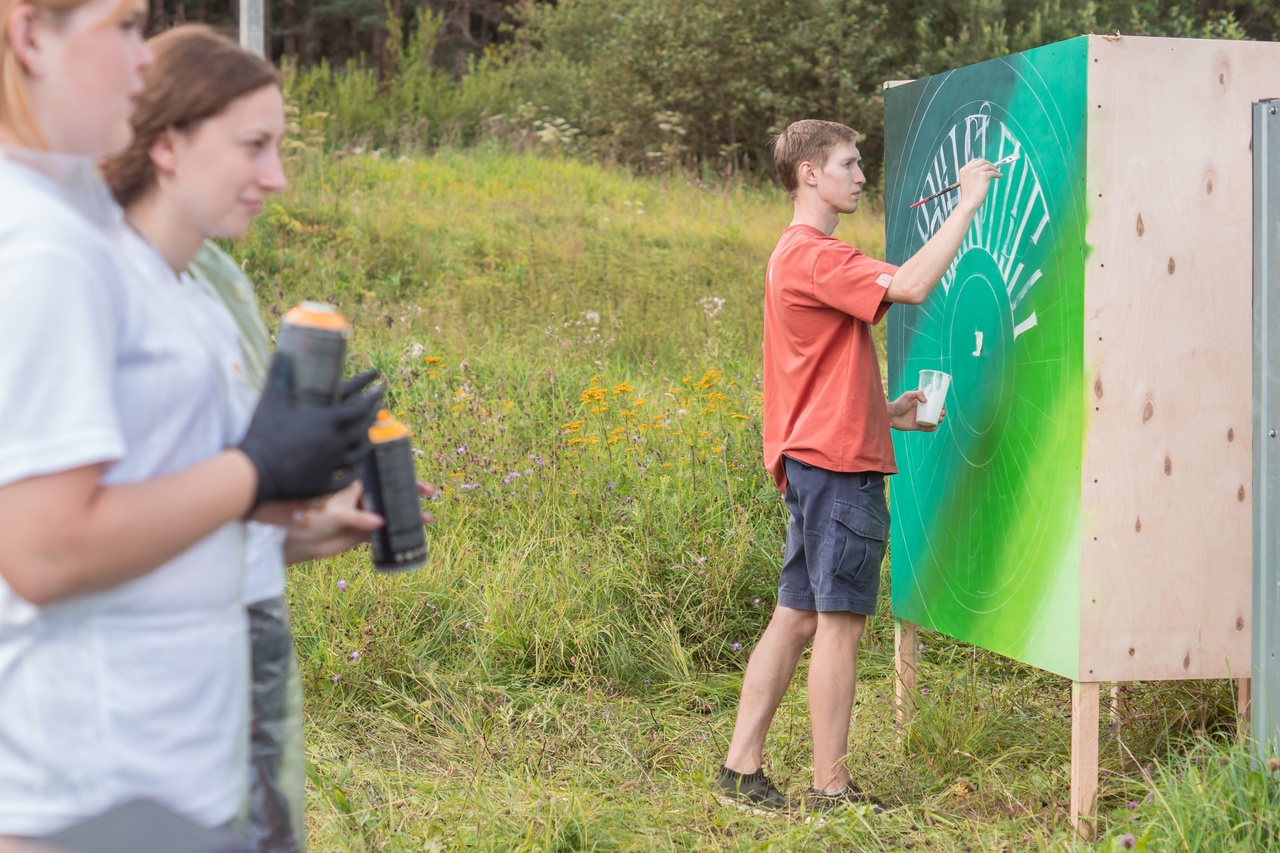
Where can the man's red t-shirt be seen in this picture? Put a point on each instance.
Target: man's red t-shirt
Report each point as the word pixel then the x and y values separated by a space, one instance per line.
pixel 824 403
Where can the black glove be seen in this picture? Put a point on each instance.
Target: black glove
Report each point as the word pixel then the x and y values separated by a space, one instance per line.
pixel 298 449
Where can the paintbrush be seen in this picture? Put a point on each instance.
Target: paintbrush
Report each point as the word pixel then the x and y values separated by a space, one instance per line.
pixel 1014 156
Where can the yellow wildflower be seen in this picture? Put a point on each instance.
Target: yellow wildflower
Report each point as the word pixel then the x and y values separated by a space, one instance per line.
pixel 594 392
pixel 710 378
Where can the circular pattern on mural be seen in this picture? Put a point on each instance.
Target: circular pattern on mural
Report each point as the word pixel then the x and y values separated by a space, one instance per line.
pixel 978 505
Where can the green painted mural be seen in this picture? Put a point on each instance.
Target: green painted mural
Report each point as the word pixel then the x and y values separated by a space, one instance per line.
pixel 986 511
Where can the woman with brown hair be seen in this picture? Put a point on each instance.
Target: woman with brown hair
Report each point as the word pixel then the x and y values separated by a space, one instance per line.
pixel 123 477
pixel 204 157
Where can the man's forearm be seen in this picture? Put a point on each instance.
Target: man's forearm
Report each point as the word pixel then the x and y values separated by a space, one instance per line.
pixel 920 274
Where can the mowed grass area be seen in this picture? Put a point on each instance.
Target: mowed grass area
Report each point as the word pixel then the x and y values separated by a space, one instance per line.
pixel 578 352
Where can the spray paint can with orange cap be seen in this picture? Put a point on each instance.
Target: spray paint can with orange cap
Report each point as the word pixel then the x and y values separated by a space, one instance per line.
pixel 314 337
pixel 391 490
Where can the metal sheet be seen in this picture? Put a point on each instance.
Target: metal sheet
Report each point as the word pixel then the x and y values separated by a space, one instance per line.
pixel 1266 436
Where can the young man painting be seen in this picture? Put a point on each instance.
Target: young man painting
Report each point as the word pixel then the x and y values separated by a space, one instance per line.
pixel 827 445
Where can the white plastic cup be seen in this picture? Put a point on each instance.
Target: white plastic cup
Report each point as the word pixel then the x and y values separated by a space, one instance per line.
pixel 934 384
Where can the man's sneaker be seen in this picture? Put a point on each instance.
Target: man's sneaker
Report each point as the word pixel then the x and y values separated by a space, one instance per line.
pixel 852 795
pixel 752 791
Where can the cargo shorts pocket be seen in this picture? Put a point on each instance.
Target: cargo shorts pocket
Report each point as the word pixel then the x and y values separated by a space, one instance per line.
pixel 859 539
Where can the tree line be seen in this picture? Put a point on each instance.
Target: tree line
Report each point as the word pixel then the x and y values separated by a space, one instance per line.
pixel 695 84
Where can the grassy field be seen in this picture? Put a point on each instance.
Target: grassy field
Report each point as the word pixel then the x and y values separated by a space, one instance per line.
pixel 578 352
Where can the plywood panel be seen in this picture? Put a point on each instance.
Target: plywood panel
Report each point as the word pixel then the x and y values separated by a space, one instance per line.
pixel 1166 477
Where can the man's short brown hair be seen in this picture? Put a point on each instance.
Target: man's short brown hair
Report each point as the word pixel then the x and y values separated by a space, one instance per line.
pixel 808 140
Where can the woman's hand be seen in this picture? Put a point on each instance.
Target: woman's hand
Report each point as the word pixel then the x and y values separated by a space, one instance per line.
pixel 336 525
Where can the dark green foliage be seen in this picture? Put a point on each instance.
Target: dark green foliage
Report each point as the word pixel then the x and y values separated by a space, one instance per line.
pixel 702 85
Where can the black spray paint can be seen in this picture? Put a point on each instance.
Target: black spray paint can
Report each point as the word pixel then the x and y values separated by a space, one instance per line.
pixel 391 490
pixel 314 337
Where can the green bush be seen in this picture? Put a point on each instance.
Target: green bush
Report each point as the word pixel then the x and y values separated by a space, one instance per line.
pixel 701 85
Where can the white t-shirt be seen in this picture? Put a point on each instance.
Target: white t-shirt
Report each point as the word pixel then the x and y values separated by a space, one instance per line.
pixel 264 573
pixel 142 690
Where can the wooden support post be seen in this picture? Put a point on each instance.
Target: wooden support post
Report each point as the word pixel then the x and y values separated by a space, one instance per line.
pixel 1244 708
pixel 1118 712
pixel 1084 758
pixel 904 661
pixel 1119 705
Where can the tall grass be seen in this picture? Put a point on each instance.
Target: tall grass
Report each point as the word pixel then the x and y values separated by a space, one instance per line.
pixel 577 351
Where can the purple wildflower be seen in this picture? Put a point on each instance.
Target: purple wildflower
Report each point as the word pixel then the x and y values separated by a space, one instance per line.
pixel 342 586
pixel 355 656
pixel 737 647
pixel 1127 842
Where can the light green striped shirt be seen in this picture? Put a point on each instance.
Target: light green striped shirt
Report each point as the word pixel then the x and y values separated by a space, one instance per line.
pixel 218 271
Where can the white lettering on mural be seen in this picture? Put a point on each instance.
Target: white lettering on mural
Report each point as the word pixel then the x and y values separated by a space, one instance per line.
pixel 1014 216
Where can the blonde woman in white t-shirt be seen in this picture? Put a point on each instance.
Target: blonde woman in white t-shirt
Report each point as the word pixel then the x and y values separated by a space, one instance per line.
pixel 123 649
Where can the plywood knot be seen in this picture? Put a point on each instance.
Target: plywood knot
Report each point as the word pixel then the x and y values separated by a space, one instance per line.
pixel 1132 651
pixel 1186 661
pixel 1137 525
pixel 1147 411
pixel 1240 495
pixel 1142 229
pixel 1223 66
pixel 1239 623
pixel 1208 186
pixel 1097 387
pixel 1231 434
pixel 1168 467
pixel 1172 266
